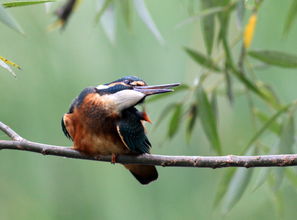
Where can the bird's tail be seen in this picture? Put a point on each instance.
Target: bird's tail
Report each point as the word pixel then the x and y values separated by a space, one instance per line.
pixel 143 173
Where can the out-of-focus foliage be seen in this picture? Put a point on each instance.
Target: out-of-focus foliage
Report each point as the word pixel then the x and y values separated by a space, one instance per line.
pixel 229 55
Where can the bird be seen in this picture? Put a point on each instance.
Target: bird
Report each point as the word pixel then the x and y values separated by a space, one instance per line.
pixel 103 120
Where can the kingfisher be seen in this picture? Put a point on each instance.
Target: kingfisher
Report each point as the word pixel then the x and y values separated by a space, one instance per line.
pixel 103 120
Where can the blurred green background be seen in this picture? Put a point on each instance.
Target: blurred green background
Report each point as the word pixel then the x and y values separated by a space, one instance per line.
pixel 58 65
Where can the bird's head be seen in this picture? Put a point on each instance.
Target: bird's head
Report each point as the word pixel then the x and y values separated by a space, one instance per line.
pixel 130 90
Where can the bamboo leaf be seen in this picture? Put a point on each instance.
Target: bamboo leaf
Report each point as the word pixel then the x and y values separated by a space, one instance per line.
pixel 275 58
pixel 224 17
pixel 237 186
pixel 249 30
pixel 145 16
pixel 108 22
pixel 208 120
pixel 223 186
pixel 102 6
pixel 8 20
pixel 191 120
pixel 240 11
pixel 262 177
pixel 202 60
pixel 291 16
pixel 175 120
pixel 208 25
pixel 274 126
pixel 127 12
pixel 164 113
pixel 24 3
pixel 5 66
pixel 267 125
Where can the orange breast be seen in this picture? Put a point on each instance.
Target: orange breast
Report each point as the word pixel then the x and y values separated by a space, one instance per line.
pixel 92 127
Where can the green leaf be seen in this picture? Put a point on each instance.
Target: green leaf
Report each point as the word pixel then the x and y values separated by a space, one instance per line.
pixel 7 19
pixel 108 22
pixel 102 7
pixel 229 88
pixel 202 60
pixel 214 104
pixel 267 125
pixel 291 16
pixel 174 122
pixel 206 12
pixel 237 186
pixel 24 3
pixel 208 25
pixel 127 12
pixel 180 88
pixel 224 18
pixel 240 11
pixel 275 58
pixel 292 177
pixel 223 186
pixel 5 66
pixel 191 120
pixel 145 16
pixel 208 120
pixel 262 177
pixel 274 126
pixel 285 146
pixel 164 113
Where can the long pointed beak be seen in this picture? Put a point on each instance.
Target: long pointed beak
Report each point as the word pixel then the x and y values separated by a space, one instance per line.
pixel 157 89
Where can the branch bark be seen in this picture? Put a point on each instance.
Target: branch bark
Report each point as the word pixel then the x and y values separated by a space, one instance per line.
pixel 20 143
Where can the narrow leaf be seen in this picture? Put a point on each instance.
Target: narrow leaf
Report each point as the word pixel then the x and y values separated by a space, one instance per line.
pixel 208 120
pixel 127 12
pixel 202 60
pixel 164 113
pixel 249 30
pixel 145 16
pixel 237 186
pixel 291 16
pixel 5 66
pixel 108 22
pixel 274 126
pixel 240 11
pixel 275 58
pixel 208 25
pixel 175 120
pixel 7 19
pixel 191 120
pixel 102 6
pixel 24 3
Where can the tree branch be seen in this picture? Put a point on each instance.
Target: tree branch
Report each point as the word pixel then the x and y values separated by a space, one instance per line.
pixel 19 143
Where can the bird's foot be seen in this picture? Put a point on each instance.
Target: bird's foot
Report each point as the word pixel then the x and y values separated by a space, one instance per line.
pixel 114 158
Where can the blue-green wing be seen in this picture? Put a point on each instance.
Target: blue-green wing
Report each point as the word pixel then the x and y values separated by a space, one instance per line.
pixel 132 132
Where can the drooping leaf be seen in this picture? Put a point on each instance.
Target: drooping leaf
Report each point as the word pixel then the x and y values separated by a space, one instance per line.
pixel 276 58
pixel 24 3
pixel 224 17
pixel 180 88
pixel 270 96
pixel 229 88
pixel 274 126
pixel 208 25
pixel 240 11
pixel 208 120
pixel 214 104
pixel 292 177
pixel 291 16
pixel 237 186
pixel 108 22
pixel 223 185
pixel 5 64
pixel 102 6
pixel 267 125
pixel 165 112
pixel 145 16
pixel 249 30
pixel 8 20
pixel 206 12
pixel 174 122
pixel 285 146
pixel 202 60
pixel 191 120
pixel 127 12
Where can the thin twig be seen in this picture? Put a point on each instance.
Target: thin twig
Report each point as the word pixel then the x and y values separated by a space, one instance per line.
pixel 148 159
